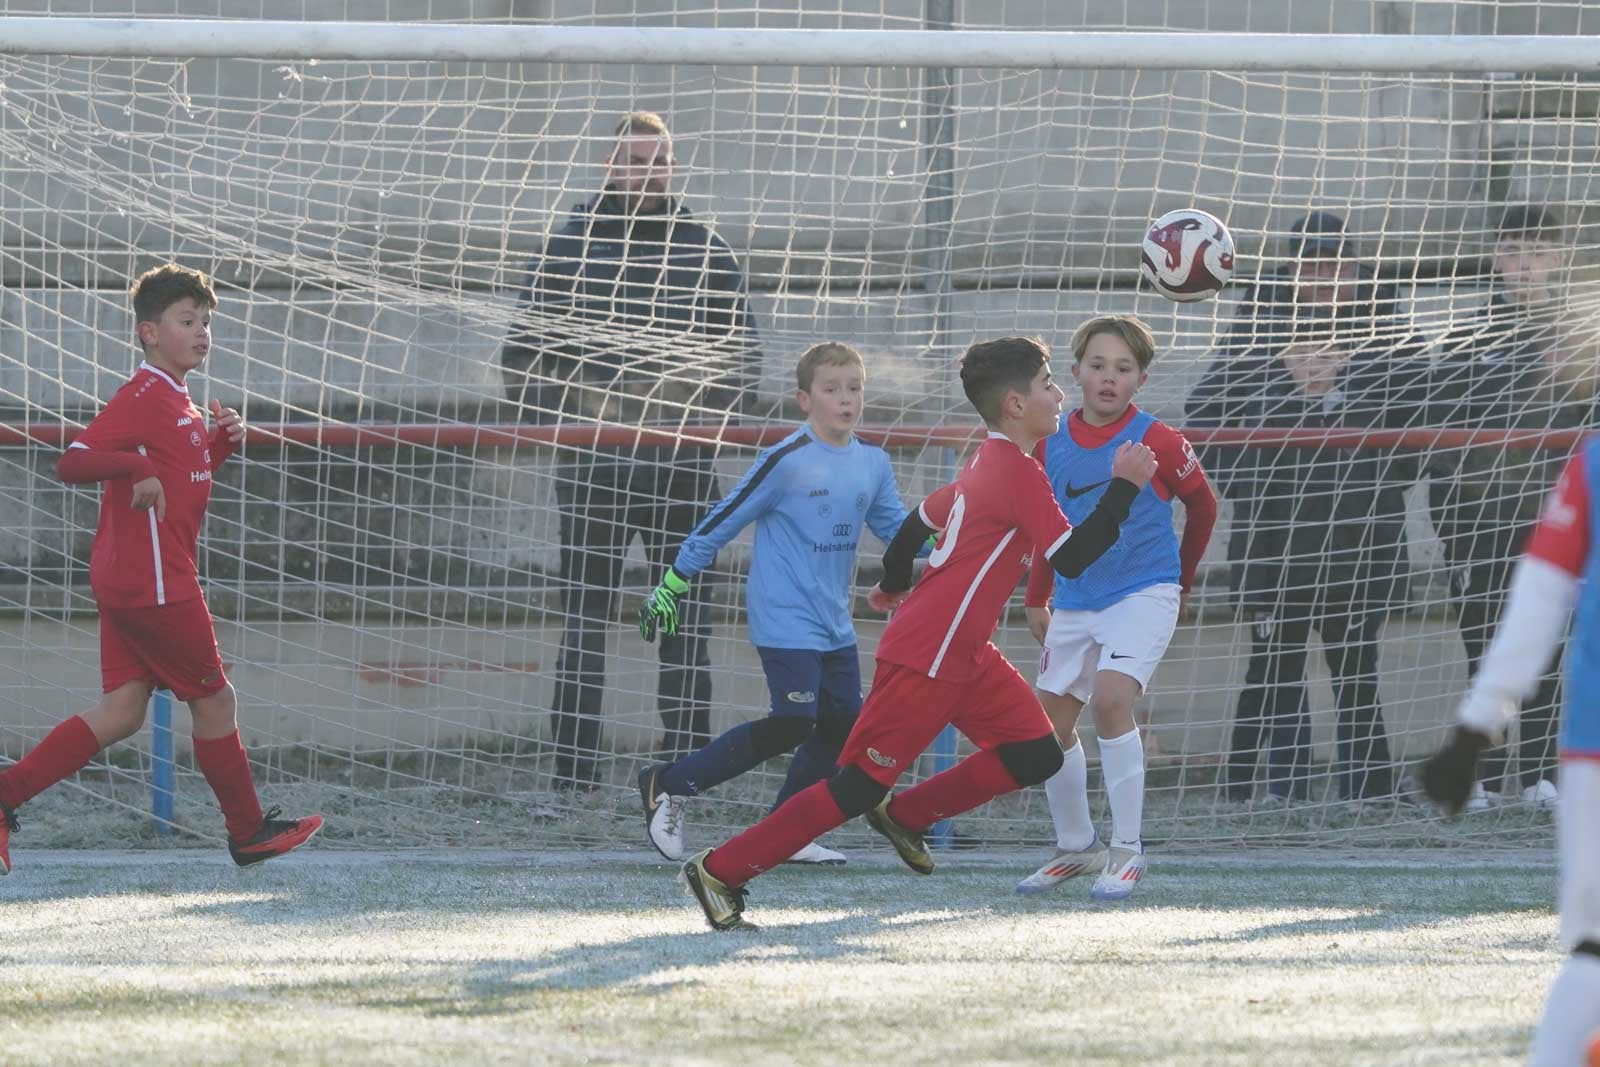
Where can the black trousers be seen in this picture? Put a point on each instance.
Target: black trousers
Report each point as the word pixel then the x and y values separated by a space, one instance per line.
pixel 1273 715
pixel 1479 592
pixel 605 501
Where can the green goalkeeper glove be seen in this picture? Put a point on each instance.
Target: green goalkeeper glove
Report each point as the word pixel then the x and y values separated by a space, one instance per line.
pixel 660 609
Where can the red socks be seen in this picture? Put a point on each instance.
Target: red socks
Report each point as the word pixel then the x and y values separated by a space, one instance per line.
pixel 63 753
pixel 800 820
pixel 227 770
pixel 976 780
pixel 66 749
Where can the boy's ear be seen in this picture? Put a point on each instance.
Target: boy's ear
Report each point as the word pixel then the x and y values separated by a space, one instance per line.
pixel 803 398
pixel 146 339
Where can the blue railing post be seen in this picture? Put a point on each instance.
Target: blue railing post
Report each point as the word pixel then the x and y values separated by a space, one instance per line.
pixel 162 775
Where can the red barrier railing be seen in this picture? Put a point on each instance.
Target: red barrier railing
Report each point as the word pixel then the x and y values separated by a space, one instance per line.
pixel 517 436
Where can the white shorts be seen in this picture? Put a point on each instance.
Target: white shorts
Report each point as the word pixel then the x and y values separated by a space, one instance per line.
pixel 1578 851
pixel 1129 637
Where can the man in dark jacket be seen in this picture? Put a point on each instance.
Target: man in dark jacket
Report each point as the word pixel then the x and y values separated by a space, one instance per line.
pixel 1318 537
pixel 635 315
pixel 1502 368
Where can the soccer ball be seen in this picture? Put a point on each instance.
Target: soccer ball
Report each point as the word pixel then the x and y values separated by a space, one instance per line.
pixel 1187 255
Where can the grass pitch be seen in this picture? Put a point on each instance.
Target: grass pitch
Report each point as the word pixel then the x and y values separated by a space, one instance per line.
pixel 430 958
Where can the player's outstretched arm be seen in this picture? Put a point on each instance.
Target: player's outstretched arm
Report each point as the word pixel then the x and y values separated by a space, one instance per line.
pixel 758 492
pixel 1543 590
pixel 1131 470
pixel 1531 627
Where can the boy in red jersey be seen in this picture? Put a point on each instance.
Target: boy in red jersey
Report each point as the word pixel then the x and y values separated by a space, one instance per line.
pixel 936 662
pixel 149 446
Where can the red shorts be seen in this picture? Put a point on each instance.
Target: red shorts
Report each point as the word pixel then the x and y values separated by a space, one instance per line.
pixel 169 646
pixel 905 710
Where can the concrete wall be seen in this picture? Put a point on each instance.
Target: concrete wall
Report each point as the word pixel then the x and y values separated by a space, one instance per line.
pixel 376 687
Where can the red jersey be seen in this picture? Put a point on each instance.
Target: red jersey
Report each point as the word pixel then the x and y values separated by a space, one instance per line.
pixel 992 518
pixel 1562 536
pixel 149 427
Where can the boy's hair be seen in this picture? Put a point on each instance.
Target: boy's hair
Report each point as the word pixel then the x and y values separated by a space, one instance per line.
pixel 991 369
pixel 637 122
pixel 826 354
pixel 1134 333
pixel 159 288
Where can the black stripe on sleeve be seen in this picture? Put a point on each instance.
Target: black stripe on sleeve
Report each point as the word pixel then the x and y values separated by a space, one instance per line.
pixel 730 505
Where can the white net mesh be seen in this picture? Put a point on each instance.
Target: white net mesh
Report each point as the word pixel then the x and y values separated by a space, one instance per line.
pixel 392 604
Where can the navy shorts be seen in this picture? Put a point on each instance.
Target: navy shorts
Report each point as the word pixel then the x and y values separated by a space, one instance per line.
pixel 805 682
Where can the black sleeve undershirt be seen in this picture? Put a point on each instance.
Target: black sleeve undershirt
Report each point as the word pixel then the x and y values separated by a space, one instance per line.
pixel 1088 542
pixel 1091 537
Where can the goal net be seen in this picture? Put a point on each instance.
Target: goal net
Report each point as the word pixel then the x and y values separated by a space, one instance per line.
pixel 464 477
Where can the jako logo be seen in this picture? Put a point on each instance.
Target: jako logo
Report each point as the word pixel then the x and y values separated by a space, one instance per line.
pixel 186 420
pixel 802 697
pixel 879 758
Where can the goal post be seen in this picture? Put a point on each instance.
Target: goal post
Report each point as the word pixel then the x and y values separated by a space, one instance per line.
pixel 385 559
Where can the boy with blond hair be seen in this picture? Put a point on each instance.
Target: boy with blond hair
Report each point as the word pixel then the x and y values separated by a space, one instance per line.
pixel 809 496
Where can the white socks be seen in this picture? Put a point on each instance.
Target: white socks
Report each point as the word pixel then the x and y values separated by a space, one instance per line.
pixel 1571 1015
pixel 1122 767
pixel 1068 794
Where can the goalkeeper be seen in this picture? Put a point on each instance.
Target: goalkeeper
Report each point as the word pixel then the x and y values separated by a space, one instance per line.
pixel 809 497
pixel 1561 569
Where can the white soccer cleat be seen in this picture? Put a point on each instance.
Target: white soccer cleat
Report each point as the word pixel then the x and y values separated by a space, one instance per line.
pixel 1064 865
pixel 663 814
pixel 818 856
pixel 1542 796
pixel 1124 867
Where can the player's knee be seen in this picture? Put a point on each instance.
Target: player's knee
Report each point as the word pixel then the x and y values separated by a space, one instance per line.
pixel 216 713
pixel 854 792
pixel 777 734
pixel 1031 762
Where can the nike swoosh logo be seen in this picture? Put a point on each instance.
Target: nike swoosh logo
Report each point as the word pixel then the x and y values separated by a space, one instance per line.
pixel 1119 655
pixel 1070 492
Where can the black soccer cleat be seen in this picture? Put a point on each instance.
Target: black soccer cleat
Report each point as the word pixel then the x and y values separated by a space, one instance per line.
pixel 276 837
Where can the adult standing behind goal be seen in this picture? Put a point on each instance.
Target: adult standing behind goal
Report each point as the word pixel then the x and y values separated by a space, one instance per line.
pixel 1505 368
pixel 635 315
pixel 1319 537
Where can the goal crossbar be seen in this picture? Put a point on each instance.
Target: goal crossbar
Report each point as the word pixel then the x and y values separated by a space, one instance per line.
pixel 1059 50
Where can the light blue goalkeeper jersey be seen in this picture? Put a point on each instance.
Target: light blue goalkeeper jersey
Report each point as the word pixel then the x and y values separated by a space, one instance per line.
pixel 809 501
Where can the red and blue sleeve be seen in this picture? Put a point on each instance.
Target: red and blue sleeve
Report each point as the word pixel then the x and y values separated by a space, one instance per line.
pixel 1562 535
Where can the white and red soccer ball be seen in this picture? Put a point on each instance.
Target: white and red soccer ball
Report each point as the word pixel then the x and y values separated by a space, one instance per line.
pixel 1187 255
